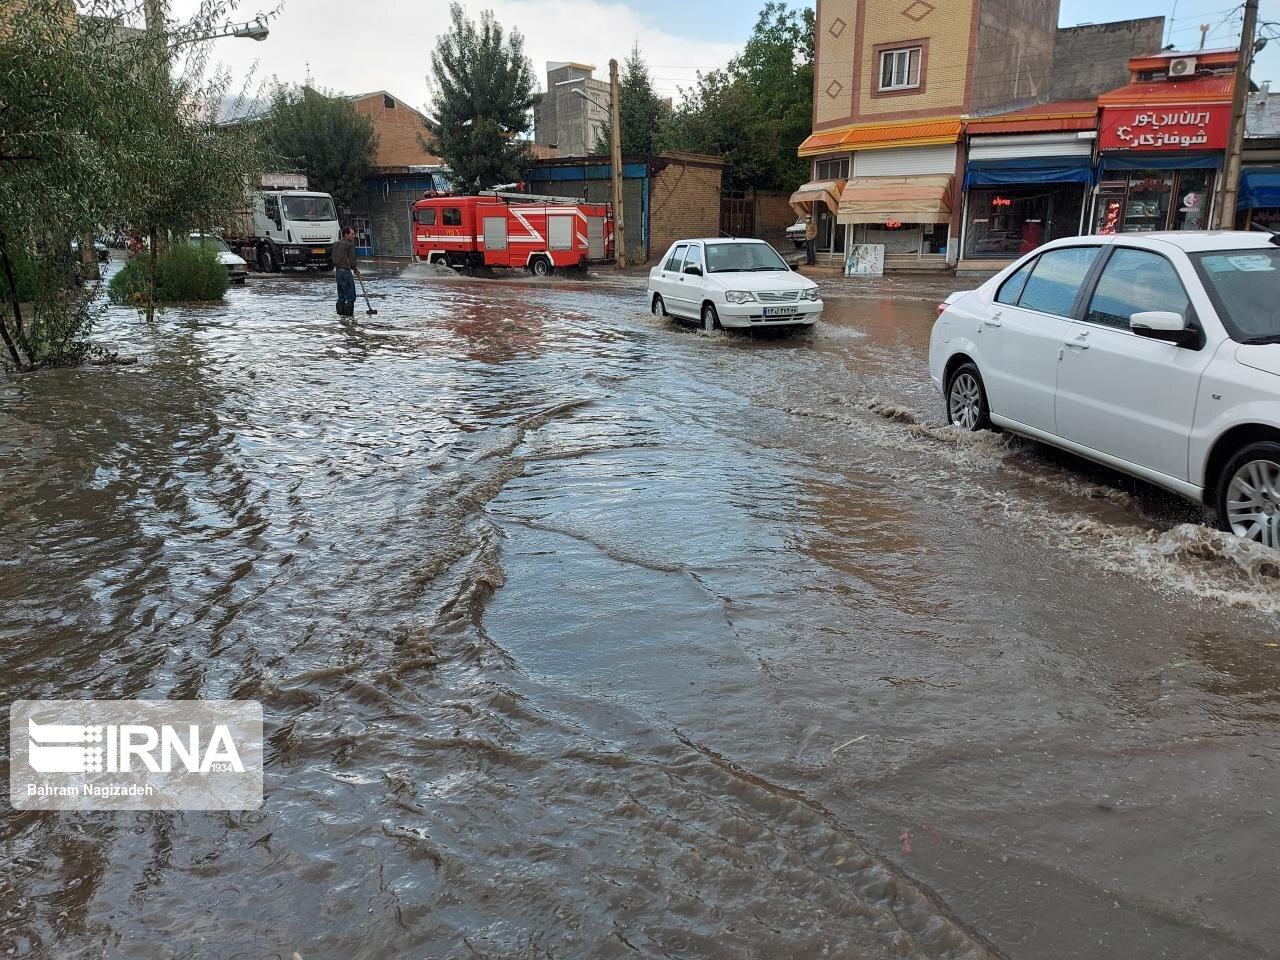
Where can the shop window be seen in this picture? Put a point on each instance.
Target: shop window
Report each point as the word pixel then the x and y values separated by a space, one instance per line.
pixel 1135 281
pixel 1146 200
pixel 1006 222
pixel 1055 281
pixel 900 69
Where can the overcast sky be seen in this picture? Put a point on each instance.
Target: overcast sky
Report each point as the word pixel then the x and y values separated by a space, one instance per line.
pixel 356 47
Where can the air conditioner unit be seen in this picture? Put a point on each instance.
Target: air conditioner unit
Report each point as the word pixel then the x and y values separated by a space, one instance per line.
pixel 1182 67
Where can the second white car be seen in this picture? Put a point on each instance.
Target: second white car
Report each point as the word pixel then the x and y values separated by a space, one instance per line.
pixel 731 283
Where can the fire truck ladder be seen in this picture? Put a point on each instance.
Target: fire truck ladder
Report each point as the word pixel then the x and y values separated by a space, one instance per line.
pixel 531 197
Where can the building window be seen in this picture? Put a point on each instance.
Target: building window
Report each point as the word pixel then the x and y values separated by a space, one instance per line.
pixel 832 169
pixel 900 69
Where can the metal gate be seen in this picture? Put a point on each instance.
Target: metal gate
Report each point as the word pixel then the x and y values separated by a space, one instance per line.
pixel 495 233
pixel 595 238
pixel 737 216
pixel 560 233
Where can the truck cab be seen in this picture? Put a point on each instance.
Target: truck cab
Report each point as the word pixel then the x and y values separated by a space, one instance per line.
pixel 294 228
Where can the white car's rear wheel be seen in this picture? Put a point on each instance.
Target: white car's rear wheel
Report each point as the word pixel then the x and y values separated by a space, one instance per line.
pixel 659 308
pixel 1249 494
pixel 967 400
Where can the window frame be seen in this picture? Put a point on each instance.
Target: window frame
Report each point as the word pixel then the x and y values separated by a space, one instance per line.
pixel 678 251
pixel 1087 282
pixel 444 216
pixel 1190 318
pixel 693 258
pixel 418 214
pixel 920 49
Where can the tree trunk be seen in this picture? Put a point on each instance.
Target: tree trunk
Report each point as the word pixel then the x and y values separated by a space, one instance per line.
pixel 89 257
pixel 152 254
pixel 12 281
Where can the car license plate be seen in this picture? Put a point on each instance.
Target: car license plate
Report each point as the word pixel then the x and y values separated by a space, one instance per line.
pixel 779 312
pixel 319 251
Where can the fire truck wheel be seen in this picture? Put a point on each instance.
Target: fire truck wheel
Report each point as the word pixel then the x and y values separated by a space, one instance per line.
pixel 440 260
pixel 540 266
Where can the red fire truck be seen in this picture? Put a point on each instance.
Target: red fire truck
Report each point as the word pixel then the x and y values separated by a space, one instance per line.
pixel 497 229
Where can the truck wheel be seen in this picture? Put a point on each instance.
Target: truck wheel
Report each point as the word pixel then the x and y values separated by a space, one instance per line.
pixel 440 260
pixel 266 260
pixel 540 266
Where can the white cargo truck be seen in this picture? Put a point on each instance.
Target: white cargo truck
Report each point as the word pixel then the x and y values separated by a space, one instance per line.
pixel 286 225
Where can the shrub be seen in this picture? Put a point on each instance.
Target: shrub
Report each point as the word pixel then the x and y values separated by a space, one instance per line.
pixel 57 311
pixel 184 274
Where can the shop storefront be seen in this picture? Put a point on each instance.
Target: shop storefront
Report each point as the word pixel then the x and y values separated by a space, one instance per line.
pixel 1161 144
pixel 819 198
pixel 909 216
pixel 1259 201
pixel 1027 181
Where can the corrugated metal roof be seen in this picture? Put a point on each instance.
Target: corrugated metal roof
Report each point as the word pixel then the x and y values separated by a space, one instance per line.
pixel 1061 116
pixel 1215 89
pixel 878 136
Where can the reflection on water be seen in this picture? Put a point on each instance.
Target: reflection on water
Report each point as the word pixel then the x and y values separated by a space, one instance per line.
pixel 583 634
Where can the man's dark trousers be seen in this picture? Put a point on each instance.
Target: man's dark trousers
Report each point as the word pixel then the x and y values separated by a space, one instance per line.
pixel 346 292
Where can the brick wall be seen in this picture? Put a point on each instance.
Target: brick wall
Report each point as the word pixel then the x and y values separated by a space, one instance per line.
pixel 773 216
pixel 685 200
pixel 398 128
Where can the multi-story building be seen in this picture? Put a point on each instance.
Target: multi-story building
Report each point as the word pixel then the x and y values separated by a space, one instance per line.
pixel 573 111
pixel 896 84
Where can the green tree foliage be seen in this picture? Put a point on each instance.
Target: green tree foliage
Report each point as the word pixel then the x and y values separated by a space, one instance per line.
pixel 95 129
pixel 185 273
pixel 641 111
pixel 324 137
pixel 757 110
pixel 486 93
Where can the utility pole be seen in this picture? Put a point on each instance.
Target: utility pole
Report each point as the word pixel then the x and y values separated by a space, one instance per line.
pixel 615 122
pixel 1239 99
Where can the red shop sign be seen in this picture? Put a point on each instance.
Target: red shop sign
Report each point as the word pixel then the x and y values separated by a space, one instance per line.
pixel 1200 126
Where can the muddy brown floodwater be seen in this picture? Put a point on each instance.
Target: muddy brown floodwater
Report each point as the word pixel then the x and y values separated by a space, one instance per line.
pixel 581 634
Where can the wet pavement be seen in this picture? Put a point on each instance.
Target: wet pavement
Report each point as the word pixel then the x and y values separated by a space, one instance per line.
pixel 581 633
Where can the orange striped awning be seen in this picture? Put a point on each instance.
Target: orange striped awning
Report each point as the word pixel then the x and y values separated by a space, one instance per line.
pixel 1063 116
pixel 920 199
pixel 1213 89
pixel 820 191
pixel 879 136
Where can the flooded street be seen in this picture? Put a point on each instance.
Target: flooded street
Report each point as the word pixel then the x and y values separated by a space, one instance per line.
pixel 584 634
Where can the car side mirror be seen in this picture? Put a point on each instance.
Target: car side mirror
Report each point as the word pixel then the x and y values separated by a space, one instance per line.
pixel 1163 325
pixel 694 271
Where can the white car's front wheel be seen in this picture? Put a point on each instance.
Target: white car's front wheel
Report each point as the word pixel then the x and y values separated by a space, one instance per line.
pixel 1249 494
pixel 710 319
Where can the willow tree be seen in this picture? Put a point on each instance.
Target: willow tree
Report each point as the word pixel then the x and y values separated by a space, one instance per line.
pixel 95 130
pixel 486 92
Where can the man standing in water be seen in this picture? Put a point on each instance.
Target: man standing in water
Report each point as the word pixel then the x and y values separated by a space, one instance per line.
pixel 811 237
pixel 346 271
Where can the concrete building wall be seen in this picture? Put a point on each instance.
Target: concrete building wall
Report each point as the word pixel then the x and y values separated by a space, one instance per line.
pixel 685 201
pixel 1094 58
pixel 1013 55
pixel 565 121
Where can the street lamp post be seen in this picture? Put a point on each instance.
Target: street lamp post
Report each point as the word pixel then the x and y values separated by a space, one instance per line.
pixel 615 164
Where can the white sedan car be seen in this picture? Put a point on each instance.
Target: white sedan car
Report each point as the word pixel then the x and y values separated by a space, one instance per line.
pixel 237 268
pixel 1157 354
pixel 731 283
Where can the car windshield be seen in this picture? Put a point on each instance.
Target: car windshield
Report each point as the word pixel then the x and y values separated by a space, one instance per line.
pixel 309 208
pixel 1244 286
pixel 211 243
pixel 743 258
